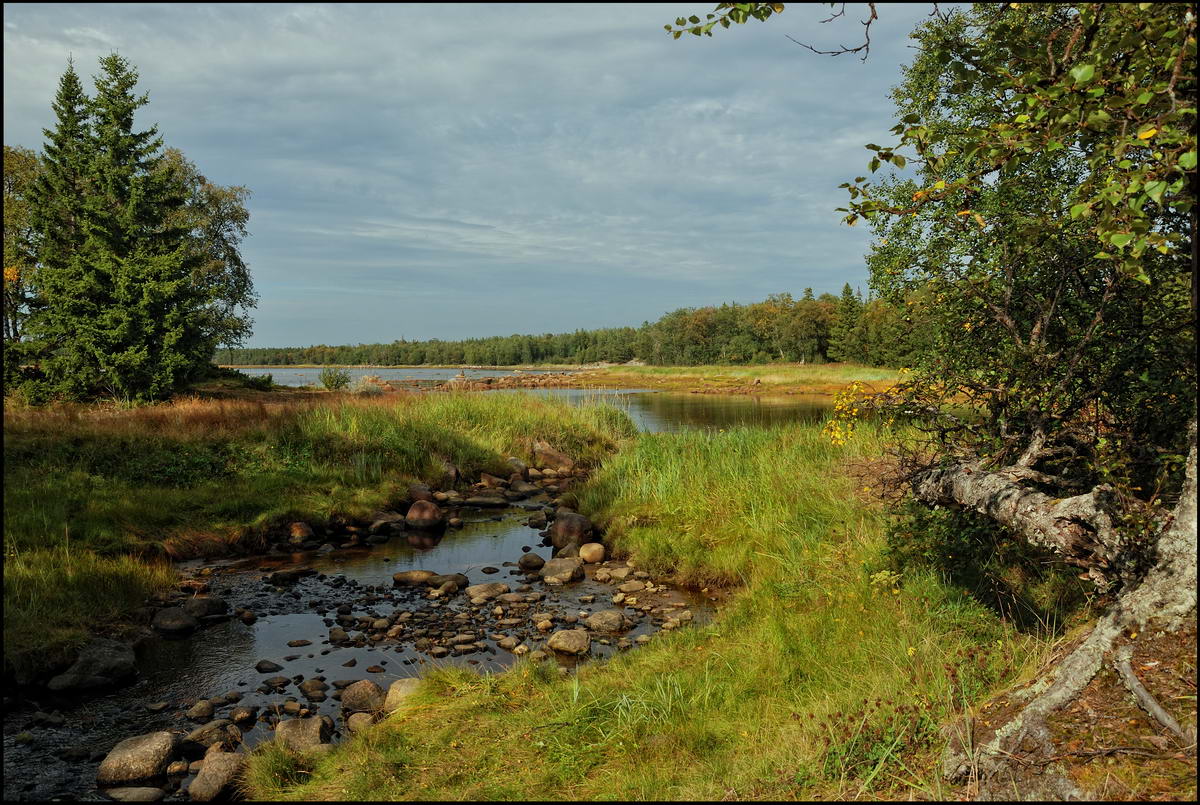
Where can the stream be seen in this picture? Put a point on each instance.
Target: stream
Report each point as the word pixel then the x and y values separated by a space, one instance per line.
pixel 53 746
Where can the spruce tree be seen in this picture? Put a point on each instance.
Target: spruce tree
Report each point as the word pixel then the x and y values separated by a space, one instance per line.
pixel 843 343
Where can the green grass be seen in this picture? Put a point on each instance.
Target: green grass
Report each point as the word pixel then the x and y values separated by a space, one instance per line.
pixel 812 682
pixel 773 377
pixel 194 476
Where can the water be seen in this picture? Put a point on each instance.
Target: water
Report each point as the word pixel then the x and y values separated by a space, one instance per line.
pixel 221 658
pixel 421 376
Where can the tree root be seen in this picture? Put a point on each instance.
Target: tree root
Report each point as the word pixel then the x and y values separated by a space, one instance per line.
pixel 1001 764
pixel 1145 698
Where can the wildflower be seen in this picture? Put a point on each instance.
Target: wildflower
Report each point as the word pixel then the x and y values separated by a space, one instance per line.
pixel 911 651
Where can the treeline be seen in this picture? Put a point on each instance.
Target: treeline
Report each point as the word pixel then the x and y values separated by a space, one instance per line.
pixel 812 329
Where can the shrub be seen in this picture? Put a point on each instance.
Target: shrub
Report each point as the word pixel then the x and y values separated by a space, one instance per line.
pixel 368 386
pixel 334 379
pixel 260 382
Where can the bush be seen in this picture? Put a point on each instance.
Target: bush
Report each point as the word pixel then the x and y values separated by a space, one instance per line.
pixel 368 386
pixel 334 379
pixel 260 382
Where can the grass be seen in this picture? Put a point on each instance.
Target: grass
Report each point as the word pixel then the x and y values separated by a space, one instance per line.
pixel 113 487
pixel 771 378
pixel 820 678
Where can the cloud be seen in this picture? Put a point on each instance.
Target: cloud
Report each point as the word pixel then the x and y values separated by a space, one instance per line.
pixel 439 159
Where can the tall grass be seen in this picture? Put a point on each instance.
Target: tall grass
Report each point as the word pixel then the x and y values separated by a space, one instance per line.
pixel 193 476
pixel 798 376
pixel 821 677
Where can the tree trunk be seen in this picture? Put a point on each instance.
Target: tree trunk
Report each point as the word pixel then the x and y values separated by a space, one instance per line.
pixel 1001 757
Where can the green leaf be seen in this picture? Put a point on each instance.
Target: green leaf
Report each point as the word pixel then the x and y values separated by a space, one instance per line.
pixel 1120 239
pixel 874 165
pixel 1155 190
pixel 1188 161
pixel 1145 97
pixel 1083 73
pixel 1079 209
pixel 899 161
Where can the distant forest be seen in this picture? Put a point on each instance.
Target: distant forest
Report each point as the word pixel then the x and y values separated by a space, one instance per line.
pixel 812 329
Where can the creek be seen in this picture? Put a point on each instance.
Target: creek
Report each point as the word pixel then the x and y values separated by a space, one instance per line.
pixel 57 758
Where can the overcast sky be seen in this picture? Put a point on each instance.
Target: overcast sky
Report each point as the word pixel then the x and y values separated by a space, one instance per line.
pixel 452 171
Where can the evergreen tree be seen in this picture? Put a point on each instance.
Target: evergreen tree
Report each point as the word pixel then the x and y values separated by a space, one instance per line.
pixel 843 342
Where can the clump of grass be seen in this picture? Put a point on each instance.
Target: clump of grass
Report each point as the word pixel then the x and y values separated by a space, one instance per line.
pixel 773 699
pixel 333 378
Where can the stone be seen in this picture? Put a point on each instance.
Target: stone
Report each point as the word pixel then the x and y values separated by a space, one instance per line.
pixel 101 663
pixel 486 501
pixel 438 580
pixel 243 715
pixel 591 552
pixel 632 587
pixel 304 734
pixel 363 696
pixel 530 562
pixel 544 455
pixel 205 607
pixel 290 575
pixel 398 692
pixel 218 778
pixel 412 577
pixel 424 514
pixel 220 731
pixel 174 622
pixel 562 571
pixel 357 722
pixel 338 635
pixel 608 620
pixel 143 757
pixel 267 667
pixel 568 551
pixel 299 533
pixel 570 641
pixel 570 527
pixel 279 682
pixel 487 591
pixel 299 643
pixel 419 492
pixel 136 794
pixel 201 711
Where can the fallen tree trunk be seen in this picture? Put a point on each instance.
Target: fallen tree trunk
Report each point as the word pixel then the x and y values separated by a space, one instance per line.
pixel 1000 757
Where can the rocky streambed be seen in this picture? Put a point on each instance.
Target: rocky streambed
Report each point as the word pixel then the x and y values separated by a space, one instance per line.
pixel 326 633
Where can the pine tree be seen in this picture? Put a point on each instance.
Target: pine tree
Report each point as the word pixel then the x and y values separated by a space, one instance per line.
pixel 843 343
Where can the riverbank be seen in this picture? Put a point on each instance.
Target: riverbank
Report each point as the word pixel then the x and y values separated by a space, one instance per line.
pixel 824 675
pixel 98 499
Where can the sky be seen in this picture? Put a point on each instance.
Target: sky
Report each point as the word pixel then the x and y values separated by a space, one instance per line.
pixel 457 171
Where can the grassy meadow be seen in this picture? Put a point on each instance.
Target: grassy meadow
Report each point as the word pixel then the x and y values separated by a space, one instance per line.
pixel 96 499
pixel 825 378
pixel 824 675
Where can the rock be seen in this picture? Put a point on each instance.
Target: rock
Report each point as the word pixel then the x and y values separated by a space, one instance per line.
pixel 459 580
pixel 562 571
pixel 487 591
pixel 201 711
pixel 174 622
pixel 205 607
pixel 517 466
pixel 523 488
pixel 136 794
pixel 632 587
pixel 338 635
pixel 278 682
pixel 398 692
pixel 243 715
pixel 530 562
pixel 282 578
pixel 412 577
pixel 299 533
pixel 486 501
pixel 157 707
pixel 546 456
pixel 134 759
pixel 419 493
pixel 177 768
pixel 424 514
pixel 101 663
pixel 313 687
pixel 591 552
pixel 608 620
pixel 384 522
pixel 299 643
pixel 489 570
pixel 570 527
pixel 304 734
pixel 218 777
pixel 570 641
pixel 508 643
pixel 220 731
pixel 491 481
pixel 267 667
pixel 357 722
pixel 363 696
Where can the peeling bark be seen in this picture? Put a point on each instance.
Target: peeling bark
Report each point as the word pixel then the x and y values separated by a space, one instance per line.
pixel 1167 595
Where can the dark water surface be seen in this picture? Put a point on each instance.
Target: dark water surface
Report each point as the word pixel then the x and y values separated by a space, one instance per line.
pixel 220 659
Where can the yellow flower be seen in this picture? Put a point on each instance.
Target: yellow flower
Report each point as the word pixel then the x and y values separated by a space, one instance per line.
pixel 911 651
pixel 1147 134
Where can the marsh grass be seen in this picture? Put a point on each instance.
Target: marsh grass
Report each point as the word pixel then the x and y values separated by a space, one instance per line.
pixel 823 377
pixel 195 476
pixel 820 678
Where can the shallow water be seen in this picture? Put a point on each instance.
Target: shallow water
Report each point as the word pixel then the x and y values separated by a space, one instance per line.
pixel 419 376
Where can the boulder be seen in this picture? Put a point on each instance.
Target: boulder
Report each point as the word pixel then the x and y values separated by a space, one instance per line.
pixel 364 696
pixel 357 722
pixel 516 465
pixel 523 488
pixel 201 711
pixel 458 578
pixel 267 667
pixel 384 521
pixel 530 562
pixel 562 571
pixel 424 514
pixel 420 492
pixel 494 501
pixel 101 663
pixel 570 641
pixel 400 690
pixel 412 577
pixel 136 794
pixel 135 759
pixel 546 456
pixel 632 587
pixel 591 552
pixel 218 778
pixel 570 527
pixel 220 731
pixel 304 734
pixel 487 591
pixel 282 578
pixel 205 607
pixel 608 620
pixel 174 622
pixel 492 481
